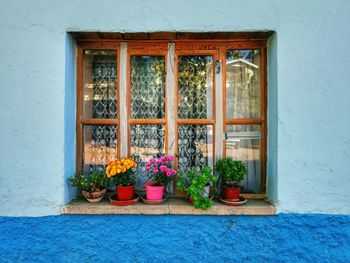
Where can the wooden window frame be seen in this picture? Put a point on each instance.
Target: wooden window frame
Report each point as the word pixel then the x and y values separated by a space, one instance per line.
pixel 80 120
pixel 182 47
pixel 263 107
pixel 178 121
pixel 146 49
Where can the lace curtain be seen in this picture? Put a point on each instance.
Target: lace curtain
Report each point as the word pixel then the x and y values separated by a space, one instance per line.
pixel 100 102
pixel 195 86
pixel 147 102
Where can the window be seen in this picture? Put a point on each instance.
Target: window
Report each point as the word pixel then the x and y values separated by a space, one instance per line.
pixel 146 105
pixel 196 100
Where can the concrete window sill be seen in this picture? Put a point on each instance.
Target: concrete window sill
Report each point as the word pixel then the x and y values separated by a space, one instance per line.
pixel 173 206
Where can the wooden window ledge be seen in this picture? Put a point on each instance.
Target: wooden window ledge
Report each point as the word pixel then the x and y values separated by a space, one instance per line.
pixel 173 206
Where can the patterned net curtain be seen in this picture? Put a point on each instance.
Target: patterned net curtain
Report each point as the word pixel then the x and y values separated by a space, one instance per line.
pixel 147 87
pixel 103 144
pixel 194 85
pixel 147 102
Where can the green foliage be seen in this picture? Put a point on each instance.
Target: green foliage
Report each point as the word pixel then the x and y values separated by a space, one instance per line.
pixel 125 179
pixel 232 171
pixel 193 184
pixel 92 182
pixel 234 54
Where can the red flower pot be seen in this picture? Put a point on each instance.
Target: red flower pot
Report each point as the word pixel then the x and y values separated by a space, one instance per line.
pixel 189 199
pixel 125 192
pixel 232 193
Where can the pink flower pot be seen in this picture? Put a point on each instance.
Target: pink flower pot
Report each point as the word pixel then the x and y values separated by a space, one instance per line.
pixel 154 192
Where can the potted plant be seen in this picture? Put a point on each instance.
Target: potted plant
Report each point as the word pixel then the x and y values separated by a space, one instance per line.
pixel 196 185
pixel 92 185
pixel 160 172
pixel 232 172
pixel 123 175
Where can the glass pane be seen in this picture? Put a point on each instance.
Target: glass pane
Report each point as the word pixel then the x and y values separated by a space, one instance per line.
pixel 147 141
pixel 100 146
pixel 195 146
pixel 100 78
pixel 243 84
pixel 195 87
pixel 147 87
pixel 244 143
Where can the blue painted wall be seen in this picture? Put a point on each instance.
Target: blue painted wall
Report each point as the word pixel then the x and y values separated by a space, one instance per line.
pixel 283 238
pixel 309 128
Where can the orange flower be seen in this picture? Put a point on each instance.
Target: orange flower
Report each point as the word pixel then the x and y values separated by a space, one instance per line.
pixel 120 166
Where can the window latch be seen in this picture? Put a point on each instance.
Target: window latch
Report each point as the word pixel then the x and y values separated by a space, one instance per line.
pixel 217 66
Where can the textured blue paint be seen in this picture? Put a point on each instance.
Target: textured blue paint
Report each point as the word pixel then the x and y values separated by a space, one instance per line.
pixel 283 238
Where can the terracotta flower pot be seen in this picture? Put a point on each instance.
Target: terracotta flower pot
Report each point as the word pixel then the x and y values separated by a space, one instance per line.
pixel 125 192
pixel 94 197
pixel 232 193
pixel 154 192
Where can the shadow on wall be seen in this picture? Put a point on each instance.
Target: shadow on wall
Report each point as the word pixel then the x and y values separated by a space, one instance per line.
pixel 272 116
pixel 69 116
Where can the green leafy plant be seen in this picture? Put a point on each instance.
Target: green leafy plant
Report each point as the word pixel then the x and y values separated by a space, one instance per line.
pixel 193 184
pixel 232 171
pixel 92 182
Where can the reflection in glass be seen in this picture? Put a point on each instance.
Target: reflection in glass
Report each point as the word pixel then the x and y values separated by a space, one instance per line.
pixel 244 143
pixel 147 87
pixel 195 87
pixel 195 146
pixel 100 78
pixel 243 84
pixel 100 146
pixel 147 141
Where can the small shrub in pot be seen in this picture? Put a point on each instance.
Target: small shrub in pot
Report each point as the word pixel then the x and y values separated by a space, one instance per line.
pixel 92 185
pixel 232 173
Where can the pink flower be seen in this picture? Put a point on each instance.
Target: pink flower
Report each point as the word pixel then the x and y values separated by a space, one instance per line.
pixel 163 168
pixel 169 173
pixel 171 158
pixel 155 170
pixel 148 164
pixel 147 169
pixel 152 160
pixel 174 172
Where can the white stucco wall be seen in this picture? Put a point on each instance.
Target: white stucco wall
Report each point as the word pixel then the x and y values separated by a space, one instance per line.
pixel 309 92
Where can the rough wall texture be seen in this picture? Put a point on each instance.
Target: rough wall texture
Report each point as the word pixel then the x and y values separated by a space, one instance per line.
pixel 309 75
pixel 283 238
